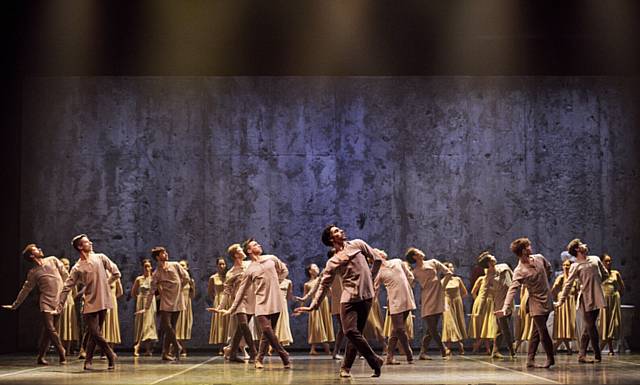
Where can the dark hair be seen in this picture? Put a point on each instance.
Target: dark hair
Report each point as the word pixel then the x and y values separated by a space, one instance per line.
pixel 605 255
pixel 572 247
pixel 410 254
pixel 26 253
pixel 219 259
pixel 326 235
pixel 75 242
pixel 307 270
pixel 519 245
pixel 157 251
pixel 145 260
pixel 483 259
pixel 245 245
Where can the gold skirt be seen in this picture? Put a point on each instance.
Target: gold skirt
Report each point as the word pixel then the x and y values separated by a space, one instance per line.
pixel 145 323
pixel 453 324
pixel 387 328
pixel 320 328
pixel 610 317
pixel 219 331
pixel 482 323
pixel 111 329
pixel 185 322
pixel 68 325
pixel 564 320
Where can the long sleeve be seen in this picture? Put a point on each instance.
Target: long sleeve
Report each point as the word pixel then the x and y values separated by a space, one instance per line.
pixel 442 269
pixel 227 292
pixel 28 285
pixel 111 268
pixel 515 284
pixel 182 273
pixel 281 269
pixel 69 284
pixel 371 254
pixel 62 270
pixel 566 287
pixel 242 290
pixel 408 274
pixel 328 275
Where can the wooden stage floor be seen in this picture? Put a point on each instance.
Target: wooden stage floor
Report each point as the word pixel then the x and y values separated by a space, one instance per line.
pixel 317 370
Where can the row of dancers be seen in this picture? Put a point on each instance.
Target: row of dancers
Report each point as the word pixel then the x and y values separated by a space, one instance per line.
pixel 259 289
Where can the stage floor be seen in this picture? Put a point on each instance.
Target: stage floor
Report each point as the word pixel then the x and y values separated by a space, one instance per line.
pixel 202 369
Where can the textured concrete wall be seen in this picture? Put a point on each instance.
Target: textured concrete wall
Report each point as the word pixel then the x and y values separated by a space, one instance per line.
pixel 451 165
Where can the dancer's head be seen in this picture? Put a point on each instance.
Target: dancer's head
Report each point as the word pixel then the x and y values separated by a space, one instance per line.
pixel 66 263
pixel 184 263
pixel 221 264
pixel 577 248
pixel 485 259
pixel 31 252
pixel 450 266
pixel 82 243
pixel 332 234
pixel 566 265
pixel 521 247
pixel 146 266
pixel 236 253
pixel 606 261
pixel 413 254
pixel 312 270
pixel 252 248
pixel 160 254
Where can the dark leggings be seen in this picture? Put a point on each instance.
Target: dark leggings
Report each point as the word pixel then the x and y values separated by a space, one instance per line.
pixel 94 322
pixel 354 318
pixel 540 334
pixel 590 333
pixel 399 333
pixel 504 333
pixel 242 330
pixel 431 322
pixel 168 320
pixel 49 334
pixel 339 337
pixel 267 323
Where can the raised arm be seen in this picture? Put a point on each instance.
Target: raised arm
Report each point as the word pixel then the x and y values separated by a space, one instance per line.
pixel 371 254
pixel 28 285
pixel 328 275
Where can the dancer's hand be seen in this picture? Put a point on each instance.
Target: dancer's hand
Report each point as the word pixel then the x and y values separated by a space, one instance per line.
pixel 499 313
pixel 302 309
pixel 299 299
pixel 141 311
pixel 9 307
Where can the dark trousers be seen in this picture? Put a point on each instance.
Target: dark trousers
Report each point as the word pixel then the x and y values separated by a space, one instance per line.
pixel 399 333
pixel 168 320
pixel 49 334
pixel 339 337
pixel 242 330
pixel 267 323
pixel 94 322
pixel 431 322
pixel 590 333
pixel 539 334
pixel 354 318
pixel 504 337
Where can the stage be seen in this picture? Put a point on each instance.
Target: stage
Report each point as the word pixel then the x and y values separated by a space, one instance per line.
pixel 204 369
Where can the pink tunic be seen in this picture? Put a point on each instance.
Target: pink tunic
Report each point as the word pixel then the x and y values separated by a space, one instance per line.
pixel 432 291
pixel 351 264
pixel 232 284
pixel 590 273
pixel 49 279
pixel 92 273
pixel 169 280
pixel 265 275
pixel 395 276
pixel 535 277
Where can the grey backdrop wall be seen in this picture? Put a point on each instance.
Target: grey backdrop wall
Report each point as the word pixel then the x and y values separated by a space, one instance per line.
pixel 451 165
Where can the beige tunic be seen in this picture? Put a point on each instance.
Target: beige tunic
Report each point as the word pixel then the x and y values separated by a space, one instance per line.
pixel 351 264
pixel 169 280
pixel 265 275
pixel 397 279
pixel 336 293
pixel 432 292
pixel 235 276
pixel 92 273
pixel 501 282
pixel 590 273
pixel 49 279
pixel 535 276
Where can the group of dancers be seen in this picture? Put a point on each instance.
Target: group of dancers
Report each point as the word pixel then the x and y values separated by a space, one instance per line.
pixel 256 289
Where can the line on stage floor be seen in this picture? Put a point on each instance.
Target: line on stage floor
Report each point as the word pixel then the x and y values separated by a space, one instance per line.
pixel 21 371
pixel 511 370
pixel 625 362
pixel 184 371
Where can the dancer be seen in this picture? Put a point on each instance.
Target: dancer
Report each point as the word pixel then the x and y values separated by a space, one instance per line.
pixel 483 326
pixel 184 324
pixel 111 326
pixel 373 329
pixel 564 320
pixel 500 276
pixel 350 260
pixel 283 327
pixel 264 273
pixel 91 270
pixel 398 280
pixel 335 293
pixel 145 323
pixel 590 271
pixel 454 329
pixel 610 314
pixel 68 328
pixel 427 274
pixel 525 324
pixel 48 275
pixel 319 324
pixel 218 333
pixel 239 323
pixel 533 271
pixel 169 278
